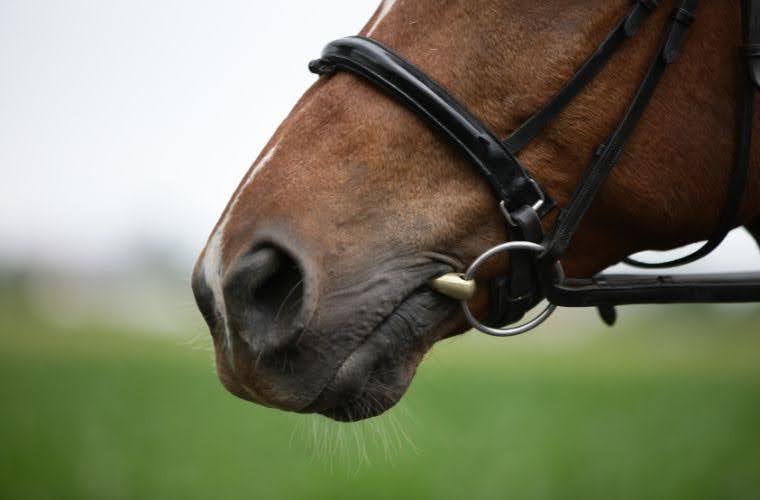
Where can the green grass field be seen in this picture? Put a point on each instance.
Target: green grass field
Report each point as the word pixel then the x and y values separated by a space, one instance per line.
pixel 661 408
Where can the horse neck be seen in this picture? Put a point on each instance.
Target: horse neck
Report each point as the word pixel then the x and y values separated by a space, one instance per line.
pixel 504 61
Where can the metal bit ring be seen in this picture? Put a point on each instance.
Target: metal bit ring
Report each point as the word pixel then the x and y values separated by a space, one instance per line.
pixel 470 275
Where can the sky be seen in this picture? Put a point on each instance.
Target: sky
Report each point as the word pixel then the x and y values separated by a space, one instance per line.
pixel 130 123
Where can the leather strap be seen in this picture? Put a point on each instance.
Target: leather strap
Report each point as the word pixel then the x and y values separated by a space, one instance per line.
pixel 609 290
pixel 608 155
pixel 752 38
pixel 421 94
pixel 745 113
pixel 626 28
pixel 518 292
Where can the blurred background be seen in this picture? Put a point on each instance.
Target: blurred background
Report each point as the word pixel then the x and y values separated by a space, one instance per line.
pixel 125 128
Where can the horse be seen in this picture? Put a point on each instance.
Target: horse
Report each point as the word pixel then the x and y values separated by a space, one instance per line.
pixel 315 280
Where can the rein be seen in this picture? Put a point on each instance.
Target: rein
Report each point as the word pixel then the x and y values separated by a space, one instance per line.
pixel 536 272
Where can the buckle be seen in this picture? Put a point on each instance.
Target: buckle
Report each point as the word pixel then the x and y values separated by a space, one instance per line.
pixel 536 206
pixel 683 16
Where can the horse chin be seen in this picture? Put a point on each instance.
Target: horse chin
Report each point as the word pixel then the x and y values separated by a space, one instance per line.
pixel 375 376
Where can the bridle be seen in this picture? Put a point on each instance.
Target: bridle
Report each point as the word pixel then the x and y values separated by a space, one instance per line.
pixel 536 273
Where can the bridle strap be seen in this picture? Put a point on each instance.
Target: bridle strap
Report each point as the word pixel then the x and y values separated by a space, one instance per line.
pixel 604 291
pixel 615 289
pixel 626 28
pixel 751 26
pixel 748 81
pixel 516 293
pixel 608 155
pixel 414 89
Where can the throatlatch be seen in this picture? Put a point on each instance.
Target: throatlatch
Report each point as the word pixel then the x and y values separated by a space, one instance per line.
pixel 536 272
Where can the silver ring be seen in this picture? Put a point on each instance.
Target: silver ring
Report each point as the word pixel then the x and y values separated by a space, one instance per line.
pixel 515 330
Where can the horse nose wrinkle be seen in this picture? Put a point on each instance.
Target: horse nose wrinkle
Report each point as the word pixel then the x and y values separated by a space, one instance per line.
pixel 264 293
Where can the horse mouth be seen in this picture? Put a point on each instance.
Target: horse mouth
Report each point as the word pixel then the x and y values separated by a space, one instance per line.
pixel 374 377
pixel 352 361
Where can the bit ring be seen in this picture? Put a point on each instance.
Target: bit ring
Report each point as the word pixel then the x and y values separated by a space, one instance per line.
pixel 515 330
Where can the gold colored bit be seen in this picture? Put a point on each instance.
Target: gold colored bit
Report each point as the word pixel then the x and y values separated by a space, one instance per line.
pixel 454 285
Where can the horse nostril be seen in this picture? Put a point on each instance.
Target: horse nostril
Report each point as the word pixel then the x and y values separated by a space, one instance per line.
pixel 264 292
pixel 281 293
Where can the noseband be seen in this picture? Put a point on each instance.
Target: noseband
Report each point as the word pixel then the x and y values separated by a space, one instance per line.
pixel 536 273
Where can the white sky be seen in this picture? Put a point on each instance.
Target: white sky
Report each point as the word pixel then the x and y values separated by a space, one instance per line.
pixel 133 121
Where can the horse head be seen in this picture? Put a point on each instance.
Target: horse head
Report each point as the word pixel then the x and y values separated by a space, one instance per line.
pixel 314 282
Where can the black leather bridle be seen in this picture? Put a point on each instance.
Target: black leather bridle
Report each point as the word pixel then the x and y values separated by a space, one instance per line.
pixel 535 273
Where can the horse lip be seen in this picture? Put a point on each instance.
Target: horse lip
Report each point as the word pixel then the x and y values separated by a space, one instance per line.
pixel 352 375
pixel 348 382
pixel 356 371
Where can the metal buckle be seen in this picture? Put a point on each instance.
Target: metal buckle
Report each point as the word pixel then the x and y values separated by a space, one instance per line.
pixel 536 206
pixel 469 275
